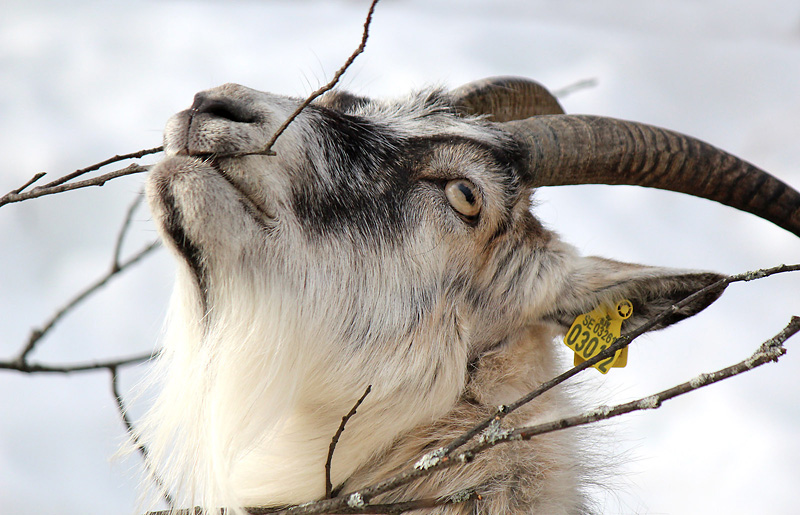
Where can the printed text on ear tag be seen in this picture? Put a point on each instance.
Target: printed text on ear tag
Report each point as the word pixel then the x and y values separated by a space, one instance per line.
pixel 593 332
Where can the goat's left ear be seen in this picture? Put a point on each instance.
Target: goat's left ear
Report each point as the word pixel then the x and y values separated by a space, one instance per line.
pixel 596 280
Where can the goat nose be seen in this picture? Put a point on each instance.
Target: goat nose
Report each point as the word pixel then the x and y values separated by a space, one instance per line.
pixel 222 107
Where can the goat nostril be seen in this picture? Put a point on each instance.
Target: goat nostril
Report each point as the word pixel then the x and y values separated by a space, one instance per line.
pixel 225 108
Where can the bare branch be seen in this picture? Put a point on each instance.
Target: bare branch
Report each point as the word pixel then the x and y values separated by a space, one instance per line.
pixel 335 440
pixel 115 264
pixel 770 350
pixel 329 86
pixel 24 366
pixel 20 362
pixel 122 411
pixel 53 187
pixel 100 180
pixel 97 166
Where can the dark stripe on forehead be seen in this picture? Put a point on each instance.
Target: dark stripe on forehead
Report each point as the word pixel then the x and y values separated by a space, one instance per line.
pixel 350 180
pixel 354 139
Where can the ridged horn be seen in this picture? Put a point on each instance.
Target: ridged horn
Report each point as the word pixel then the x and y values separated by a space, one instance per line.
pixel 572 149
pixel 505 99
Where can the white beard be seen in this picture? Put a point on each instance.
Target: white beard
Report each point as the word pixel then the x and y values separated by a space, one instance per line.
pixel 249 406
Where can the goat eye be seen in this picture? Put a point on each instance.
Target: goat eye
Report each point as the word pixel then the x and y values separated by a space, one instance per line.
pixel 464 197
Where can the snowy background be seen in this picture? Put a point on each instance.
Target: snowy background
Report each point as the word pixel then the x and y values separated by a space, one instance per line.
pixel 82 81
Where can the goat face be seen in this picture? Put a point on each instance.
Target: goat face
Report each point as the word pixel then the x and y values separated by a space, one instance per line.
pixel 384 243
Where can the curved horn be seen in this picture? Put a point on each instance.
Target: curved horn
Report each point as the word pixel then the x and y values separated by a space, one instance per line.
pixel 596 150
pixel 505 99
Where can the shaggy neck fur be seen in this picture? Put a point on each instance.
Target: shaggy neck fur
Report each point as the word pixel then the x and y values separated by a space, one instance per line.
pixel 254 390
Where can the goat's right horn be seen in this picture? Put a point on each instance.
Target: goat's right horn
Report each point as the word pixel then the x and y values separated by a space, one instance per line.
pixel 573 149
pixel 505 99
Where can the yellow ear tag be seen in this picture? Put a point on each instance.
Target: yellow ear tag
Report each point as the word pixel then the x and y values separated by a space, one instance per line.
pixel 593 332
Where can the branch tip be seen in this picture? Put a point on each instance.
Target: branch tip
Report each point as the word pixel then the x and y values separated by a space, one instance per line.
pixel 335 441
pixel 324 89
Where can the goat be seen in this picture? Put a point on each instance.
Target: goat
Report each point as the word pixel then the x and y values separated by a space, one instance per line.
pixel 392 244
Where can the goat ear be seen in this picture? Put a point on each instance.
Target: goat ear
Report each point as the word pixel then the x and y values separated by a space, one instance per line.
pixel 596 280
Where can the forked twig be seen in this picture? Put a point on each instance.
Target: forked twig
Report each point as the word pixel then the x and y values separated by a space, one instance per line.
pixel 55 186
pixel 97 166
pixel 100 180
pixel 30 181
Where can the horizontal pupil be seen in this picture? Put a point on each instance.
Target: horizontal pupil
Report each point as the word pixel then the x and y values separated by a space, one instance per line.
pixel 467 193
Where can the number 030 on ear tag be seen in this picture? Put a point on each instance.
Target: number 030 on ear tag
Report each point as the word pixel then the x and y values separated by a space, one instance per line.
pixel 593 332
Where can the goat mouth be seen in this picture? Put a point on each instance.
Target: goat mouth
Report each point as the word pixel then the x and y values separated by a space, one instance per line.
pixel 257 211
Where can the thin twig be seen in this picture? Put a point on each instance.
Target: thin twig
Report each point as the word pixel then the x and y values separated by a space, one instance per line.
pixel 97 166
pixel 100 180
pixel 30 368
pixel 134 438
pixel 30 181
pixel 329 86
pixel 123 412
pixel 335 440
pixel 37 334
pixel 115 264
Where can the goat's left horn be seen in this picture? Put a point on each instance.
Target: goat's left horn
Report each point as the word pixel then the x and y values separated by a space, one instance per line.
pixel 505 99
pixel 571 149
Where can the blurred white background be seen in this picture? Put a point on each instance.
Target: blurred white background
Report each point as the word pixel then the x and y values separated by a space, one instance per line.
pixel 82 81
